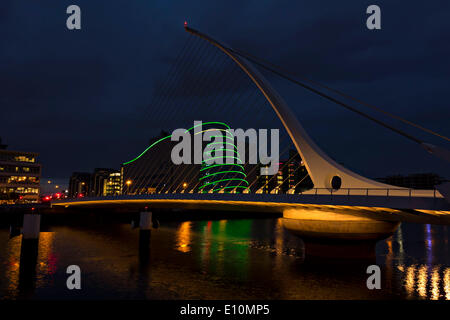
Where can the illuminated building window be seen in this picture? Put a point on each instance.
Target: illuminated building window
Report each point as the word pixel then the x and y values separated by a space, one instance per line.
pixel 23 159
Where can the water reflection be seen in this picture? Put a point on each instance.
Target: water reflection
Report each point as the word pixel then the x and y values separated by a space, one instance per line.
pixel 426 275
pixel 12 257
pixel 225 259
pixel 447 283
pixel 409 279
pixel 425 282
pixel 224 246
pixel 184 237
pixel 435 284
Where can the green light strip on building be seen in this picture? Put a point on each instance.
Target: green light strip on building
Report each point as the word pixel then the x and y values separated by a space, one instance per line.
pixel 203 123
pixel 224 130
pixel 209 151
pixel 223 180
pixel 230 187
pixel 221 143
pixel 227 137
pixel 216 173
pixel 230 137
pixel 154 143
pixel 216 165
pixel 223 164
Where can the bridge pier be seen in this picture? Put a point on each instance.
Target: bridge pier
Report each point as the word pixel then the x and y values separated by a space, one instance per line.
pixel 335 225
pixel 29 252
pixel 145 234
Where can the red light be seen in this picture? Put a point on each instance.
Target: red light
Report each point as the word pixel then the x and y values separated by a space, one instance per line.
pixel 185 24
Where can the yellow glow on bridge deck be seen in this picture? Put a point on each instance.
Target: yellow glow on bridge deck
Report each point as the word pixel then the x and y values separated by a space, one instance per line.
pixel 377 213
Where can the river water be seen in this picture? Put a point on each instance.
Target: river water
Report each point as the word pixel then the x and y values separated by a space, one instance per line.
pixel 222 259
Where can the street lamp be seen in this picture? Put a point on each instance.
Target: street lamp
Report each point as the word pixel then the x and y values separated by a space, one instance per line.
pixel 128 183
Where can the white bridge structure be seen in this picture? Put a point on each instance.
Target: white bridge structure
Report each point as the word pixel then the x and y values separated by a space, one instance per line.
pixel 342 204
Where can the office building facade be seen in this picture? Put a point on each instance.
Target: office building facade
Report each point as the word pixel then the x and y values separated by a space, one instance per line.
pixel 20 175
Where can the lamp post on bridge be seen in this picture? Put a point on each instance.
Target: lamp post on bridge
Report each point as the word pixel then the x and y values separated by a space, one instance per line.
pixel 128 183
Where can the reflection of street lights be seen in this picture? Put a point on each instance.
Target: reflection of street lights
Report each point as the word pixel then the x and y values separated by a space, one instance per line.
pixel 128 183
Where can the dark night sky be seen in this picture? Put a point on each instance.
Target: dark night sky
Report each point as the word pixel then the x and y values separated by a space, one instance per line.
pixel 76 96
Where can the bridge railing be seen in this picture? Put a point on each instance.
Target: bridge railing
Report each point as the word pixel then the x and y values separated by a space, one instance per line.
pixel 388 192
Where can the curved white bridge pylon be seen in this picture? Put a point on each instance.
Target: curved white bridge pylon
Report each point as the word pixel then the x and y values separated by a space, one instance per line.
pixel 325 173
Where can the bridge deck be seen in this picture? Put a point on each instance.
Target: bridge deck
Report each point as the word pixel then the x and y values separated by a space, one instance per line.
pixel 393 208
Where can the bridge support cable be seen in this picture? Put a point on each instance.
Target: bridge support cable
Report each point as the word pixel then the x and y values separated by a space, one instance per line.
pixel 289 174
pixel 323 170
pixel 257 167
pixel 158 99
pixel 185 105
pixel 249 100
pixel 276 175
pixel 435 150
pixel 213 176
pixel 337 102
pixel 190 68
pixel 301 180
pixel 231 94
pixel 188 182
pixel 164 97
pixel 234 100
pixel 261 62
pixel 286 149
pixel 222 100
pixel 246 164
pixel 209 100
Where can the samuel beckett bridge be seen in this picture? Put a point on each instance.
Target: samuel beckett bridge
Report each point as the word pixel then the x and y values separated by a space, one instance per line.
pixel 317 196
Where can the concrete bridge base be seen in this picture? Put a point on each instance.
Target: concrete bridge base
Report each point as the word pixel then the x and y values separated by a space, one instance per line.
pixel 332 225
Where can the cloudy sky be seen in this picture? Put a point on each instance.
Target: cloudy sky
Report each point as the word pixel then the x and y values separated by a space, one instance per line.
pixel 76 97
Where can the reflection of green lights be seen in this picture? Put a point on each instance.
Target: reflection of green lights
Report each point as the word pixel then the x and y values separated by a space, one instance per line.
pixel 216 173
pixel 223 180
pixel 226 157
pixel 225 246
